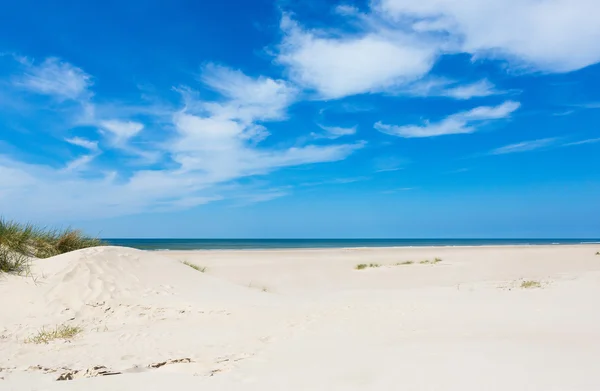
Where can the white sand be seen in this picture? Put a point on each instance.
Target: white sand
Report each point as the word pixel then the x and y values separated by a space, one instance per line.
pixel 306 320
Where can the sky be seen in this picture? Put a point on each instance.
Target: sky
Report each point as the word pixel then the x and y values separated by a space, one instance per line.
pixel 302 119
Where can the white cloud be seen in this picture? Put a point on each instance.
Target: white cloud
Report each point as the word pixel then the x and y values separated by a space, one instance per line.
pixel 582 142
pixel 336 67
pixel 212 144
pixel 121 131
pixel 55 78
pixel 451 89
pixel 248 99
pixel 333 132
pixel 81 142
pixel 396 43
pixel 468 91
pixel 524 146
pixel 459 123
pixel 549 35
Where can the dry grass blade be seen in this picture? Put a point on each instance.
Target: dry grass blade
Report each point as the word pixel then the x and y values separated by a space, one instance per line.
pixel 201 269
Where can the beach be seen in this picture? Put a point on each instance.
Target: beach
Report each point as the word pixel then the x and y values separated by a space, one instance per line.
pixel 422 318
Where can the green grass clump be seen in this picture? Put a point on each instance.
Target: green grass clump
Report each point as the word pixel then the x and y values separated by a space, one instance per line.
pixel 59 332
pixel 428 262
pixel 13 262
pixel 363 266
pixel 18 242
pixel 201 269
pixel 404 263
pixel 528 284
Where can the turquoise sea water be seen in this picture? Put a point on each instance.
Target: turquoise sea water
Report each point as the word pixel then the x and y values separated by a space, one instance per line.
pixel 241 244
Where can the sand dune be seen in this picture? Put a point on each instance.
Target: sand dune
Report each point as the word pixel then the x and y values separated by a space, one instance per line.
pixel 306 320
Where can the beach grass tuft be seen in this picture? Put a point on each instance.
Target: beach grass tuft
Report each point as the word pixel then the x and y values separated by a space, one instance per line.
pixel 201 269
pixel 529 284
pixel 363 266
pixel 19 242
pixel 597 252
pixel 59 332
pixel 428 262
pixel 405 263
pixel 13 262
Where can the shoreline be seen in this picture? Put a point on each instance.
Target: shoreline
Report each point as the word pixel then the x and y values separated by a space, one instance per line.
pixel 288 249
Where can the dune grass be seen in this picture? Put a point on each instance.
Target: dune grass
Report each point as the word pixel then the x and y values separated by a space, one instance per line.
pixel 597 252
pixel 201 269
pixel 529 284
pixel 428 262
pixel 18 242
pixel 363 266
pixel 59 332
pixel 404 263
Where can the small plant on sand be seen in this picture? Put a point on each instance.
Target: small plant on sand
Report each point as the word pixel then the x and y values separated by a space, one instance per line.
pixel 428 262
pixel 261 288
pixel 60 332
pixel 201 269
pixel 363 266
pixel 404 263
pixel 528 284
pixel 597 252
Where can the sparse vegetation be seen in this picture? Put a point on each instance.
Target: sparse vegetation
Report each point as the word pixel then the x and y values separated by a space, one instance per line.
pixel 59 332
pixel 404 263
pixel 428 262
pixel 261 288
pixel 363 266
pixel 528 284
pixel 201 269
pixel 597 252
pixel 19 242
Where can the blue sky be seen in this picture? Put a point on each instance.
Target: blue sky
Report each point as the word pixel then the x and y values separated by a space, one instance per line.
pixel 315 119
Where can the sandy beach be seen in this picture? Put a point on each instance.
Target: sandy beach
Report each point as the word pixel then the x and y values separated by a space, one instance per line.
pixel 478 318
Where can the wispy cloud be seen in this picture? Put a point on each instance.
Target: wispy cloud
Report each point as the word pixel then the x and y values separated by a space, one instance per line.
pixel 525 146
pixel 459 123
pixel 81 142
pixel 121 131
pixel 544 143
pixel 334 132
pixel 581 142
pixel 55 78
pixel 431 87
pixel 210 144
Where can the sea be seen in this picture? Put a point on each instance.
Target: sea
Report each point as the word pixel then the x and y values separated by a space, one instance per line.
pixel 262 244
